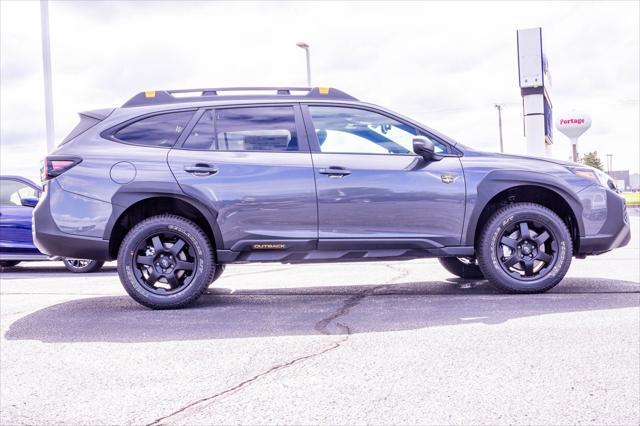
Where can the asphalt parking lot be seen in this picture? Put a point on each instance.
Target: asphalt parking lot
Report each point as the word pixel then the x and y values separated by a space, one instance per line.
pixel 380 343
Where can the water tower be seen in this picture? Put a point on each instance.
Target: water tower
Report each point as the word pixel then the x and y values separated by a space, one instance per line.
pixel 573 125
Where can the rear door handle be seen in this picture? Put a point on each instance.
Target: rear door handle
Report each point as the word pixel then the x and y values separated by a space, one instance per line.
pixel 201 169
pixel 335 171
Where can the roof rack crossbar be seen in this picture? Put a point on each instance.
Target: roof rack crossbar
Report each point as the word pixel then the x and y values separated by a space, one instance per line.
pixel 167 96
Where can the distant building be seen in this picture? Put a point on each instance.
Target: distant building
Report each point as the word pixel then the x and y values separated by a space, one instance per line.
pixel 634 181
pixel 622 179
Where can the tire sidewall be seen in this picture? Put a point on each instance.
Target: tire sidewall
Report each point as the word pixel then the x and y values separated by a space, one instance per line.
pixel 194 238
pixel 490 263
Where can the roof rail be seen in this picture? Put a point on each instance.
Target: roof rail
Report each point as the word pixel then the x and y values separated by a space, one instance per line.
pixel 156 97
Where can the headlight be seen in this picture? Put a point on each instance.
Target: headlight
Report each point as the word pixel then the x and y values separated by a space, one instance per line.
pixel 595 175
pixel 606 180
pixel 586 172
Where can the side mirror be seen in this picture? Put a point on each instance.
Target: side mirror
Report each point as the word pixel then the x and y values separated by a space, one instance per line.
pixel 424 147
pixel 29 201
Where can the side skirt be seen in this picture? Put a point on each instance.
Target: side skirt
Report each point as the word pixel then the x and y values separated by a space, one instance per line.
pixel 319 256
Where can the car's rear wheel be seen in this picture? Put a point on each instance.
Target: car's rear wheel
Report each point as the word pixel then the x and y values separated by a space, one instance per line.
pixel 8 263
pixel 524 248
pixel 80 266
pixel 463 267
pixel 166 262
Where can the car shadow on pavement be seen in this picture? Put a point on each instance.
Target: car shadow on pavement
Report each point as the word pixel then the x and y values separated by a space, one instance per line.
pixel 222 314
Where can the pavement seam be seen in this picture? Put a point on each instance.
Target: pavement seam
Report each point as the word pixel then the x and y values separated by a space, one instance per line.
pixel 321 327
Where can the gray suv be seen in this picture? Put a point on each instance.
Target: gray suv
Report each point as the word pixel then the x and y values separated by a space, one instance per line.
pixel 177 184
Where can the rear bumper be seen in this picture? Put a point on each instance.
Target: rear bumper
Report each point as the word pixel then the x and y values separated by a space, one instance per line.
pixel 615 232
pixel 49 239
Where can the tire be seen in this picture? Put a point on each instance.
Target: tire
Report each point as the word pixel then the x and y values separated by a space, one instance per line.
pixel 462 267
pixel 180 247
pixel 219 270
pixel 8 263
pixel 524 248
pixel 82 266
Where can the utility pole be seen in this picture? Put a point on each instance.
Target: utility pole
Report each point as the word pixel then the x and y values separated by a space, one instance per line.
pixel 305 46
pixel 46 68
pixel 499 108
pixel 609 162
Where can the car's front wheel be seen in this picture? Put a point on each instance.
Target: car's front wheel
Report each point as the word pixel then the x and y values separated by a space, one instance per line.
pixel 166 262
pixel 524 248
pixel 80 266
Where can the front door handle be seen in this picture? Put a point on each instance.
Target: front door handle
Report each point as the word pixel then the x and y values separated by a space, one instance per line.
pixel 201 169
pixel 335 171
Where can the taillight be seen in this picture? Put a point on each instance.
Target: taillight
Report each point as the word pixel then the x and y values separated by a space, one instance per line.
pixel 55 165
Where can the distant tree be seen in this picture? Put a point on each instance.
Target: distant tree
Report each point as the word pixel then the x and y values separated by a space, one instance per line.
pixel 592 159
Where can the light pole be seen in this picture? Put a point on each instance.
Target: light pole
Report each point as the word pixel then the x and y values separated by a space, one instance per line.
pixel 46 68
pixel 499 108
pixel 305 46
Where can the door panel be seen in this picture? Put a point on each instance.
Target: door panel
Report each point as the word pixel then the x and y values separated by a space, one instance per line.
pixel 15 219
pixel 256 173
pixel 373 191
pixel 15 230
pixel 390 197
pixel 257 195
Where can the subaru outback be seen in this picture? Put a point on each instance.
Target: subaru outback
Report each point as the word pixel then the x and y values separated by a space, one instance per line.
pixel 177 184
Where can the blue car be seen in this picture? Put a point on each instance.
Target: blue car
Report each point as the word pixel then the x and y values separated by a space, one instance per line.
pixel 18 197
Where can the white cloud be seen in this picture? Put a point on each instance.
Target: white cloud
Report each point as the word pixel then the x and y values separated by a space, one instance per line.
pixel 444 64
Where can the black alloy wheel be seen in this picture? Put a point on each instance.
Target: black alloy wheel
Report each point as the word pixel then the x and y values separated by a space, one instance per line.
pixel 165 263
pixel 527 250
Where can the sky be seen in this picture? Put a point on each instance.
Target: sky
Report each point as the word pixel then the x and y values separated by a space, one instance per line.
pixel 444 64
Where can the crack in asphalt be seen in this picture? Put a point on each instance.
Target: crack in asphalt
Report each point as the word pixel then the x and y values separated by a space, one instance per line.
pixel 321 327
pixel 239 386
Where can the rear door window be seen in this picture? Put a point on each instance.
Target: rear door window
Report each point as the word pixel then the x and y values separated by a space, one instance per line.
pixel 160 130
pixel 268 128
pixel 203 135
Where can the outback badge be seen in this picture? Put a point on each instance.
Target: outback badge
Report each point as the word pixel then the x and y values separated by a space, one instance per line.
pixel 269 246
pixel 447 178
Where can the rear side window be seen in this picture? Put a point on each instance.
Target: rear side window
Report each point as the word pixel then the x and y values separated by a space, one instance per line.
pixel 160 130
pixel 271 128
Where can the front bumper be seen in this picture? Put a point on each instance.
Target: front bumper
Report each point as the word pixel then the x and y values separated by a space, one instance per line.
pixel 615 231
pixel 49 239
